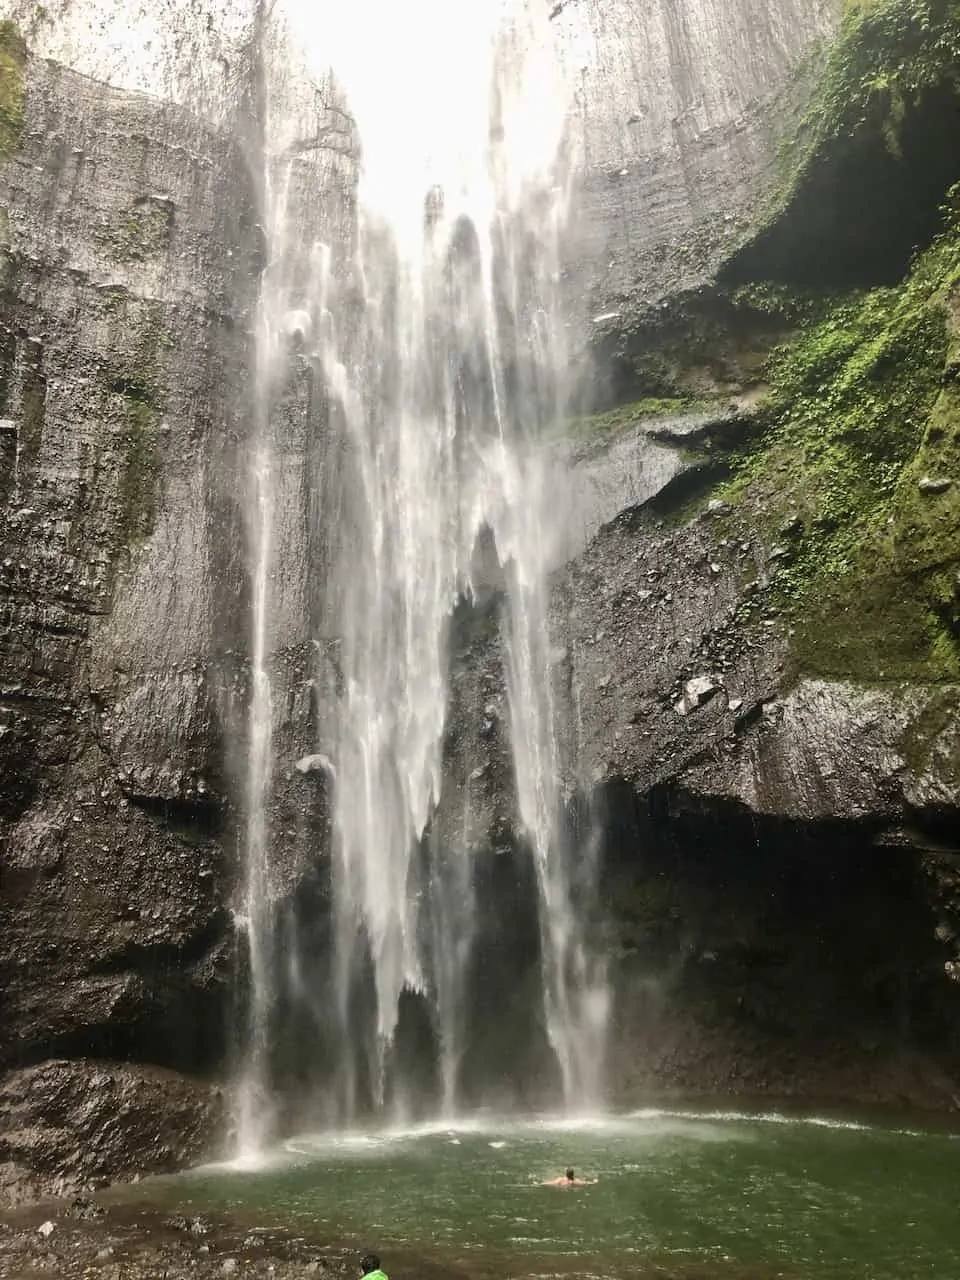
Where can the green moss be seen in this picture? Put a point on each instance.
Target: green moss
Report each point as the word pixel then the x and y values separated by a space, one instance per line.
pixel 887 53
pixel 145 230
pixel 862 176
pixel 13 61
pixel 860 411
pixel 138 392
pixel 139 473
pixel 623 417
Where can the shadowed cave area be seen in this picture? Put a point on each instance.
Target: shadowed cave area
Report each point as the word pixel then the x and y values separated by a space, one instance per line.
pixel 766 956
pixel 859 212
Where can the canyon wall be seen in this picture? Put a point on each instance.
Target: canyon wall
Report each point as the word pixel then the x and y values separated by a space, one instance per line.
pixel 751 802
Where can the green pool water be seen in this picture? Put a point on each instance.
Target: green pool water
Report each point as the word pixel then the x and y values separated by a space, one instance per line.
pixel 677 1194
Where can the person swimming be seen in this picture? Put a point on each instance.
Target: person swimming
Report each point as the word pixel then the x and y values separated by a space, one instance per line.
pixel 569 1179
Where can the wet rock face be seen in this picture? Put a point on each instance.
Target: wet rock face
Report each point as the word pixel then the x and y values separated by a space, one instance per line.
pixel 760 955
pixel 127 283
pixel 779 854
pixel 681 659
pixel 131 276
pixel 130 280
pixel 681 107
pixel 67 1125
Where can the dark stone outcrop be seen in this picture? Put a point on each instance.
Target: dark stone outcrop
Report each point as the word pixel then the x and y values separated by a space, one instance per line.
pixel 779 852
pixel 765 674
pixel 70 1125
pixel 132 254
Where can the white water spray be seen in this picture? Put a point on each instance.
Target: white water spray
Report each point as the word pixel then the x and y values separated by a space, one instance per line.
pixel 457 366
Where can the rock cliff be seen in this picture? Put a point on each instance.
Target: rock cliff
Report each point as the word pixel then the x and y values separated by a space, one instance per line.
pixel 125 296
pixel 765 652
pixel 680 111
pixel 758 645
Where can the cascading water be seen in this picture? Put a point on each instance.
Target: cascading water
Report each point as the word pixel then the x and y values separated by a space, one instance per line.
pixel 456 367
pixel 253 1111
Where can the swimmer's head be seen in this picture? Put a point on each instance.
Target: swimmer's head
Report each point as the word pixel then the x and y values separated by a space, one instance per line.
pixel 570 1175
pixel 369 1262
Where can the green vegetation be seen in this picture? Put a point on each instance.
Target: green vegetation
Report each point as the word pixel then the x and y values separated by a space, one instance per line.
pixel 887 54
pixel 857 471
pixel 32 415
pixel 863 407
pixel 863 174
pixel 137 391
pixel 603 426
pixel 852 338
pixel 140 468
pixel 13 60
pixel 145 231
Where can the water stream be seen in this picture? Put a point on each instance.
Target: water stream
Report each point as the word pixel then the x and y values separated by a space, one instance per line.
pixel 447 368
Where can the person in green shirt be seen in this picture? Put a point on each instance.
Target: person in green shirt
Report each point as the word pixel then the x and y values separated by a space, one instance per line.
pixel 370 1267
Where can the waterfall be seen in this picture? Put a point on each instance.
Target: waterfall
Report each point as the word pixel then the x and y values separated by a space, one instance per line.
pixel 253 1105
pixel 455 369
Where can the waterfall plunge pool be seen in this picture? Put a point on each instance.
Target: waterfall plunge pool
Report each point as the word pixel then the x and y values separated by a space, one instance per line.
pixel 678 1194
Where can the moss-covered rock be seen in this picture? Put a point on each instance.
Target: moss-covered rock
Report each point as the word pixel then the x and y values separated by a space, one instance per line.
pixel 846 311
pixel 858 460
pixel 13 60
pixel 139 474
pixel 700 347
pixel 864 176
pixel 622 418
pixel 137 389
pixel 145 231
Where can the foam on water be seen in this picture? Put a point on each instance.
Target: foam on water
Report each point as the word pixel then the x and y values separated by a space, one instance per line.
pixel 644 1125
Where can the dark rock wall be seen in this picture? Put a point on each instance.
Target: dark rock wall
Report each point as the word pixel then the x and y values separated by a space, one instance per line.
pixel 69 1123
pixel 760 956
pixel 771 845
pixel 765 652
pixel 125 326
pixel 127 290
